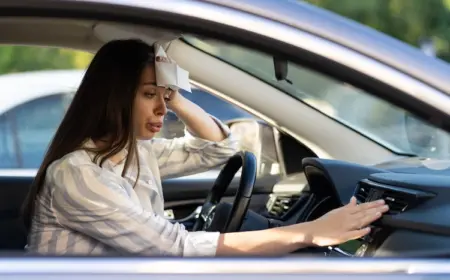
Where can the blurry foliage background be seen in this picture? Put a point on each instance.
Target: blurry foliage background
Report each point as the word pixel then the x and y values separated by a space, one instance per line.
pixel 26 58
pixel 407 20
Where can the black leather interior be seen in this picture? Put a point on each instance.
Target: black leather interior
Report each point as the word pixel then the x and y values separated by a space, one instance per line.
pixel 13 191
pixel 185 193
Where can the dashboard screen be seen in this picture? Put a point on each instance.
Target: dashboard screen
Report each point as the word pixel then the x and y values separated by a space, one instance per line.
pixel 353 247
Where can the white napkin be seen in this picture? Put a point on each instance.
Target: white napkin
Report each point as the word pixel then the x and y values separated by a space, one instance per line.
pixel 169 74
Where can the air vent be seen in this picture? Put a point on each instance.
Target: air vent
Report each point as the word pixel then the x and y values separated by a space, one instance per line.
pixel 362 192
pixel 399 199
pixel 278 205
pixel 398 202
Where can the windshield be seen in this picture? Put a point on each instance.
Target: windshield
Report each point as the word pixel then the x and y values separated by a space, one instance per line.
pixel 384 123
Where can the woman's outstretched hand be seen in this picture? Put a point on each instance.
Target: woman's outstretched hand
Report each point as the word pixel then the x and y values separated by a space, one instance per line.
pixel 337 226
pixel 346 223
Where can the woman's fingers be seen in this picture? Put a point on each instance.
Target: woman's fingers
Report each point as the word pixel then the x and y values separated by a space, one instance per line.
pixel 352 202
pixel 367 212
pixel 365 206
pixel 350 221
pixel 366 217
pixel 370 218
pixel 355 234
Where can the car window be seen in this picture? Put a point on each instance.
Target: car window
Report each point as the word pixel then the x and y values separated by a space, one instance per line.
pixel 227 112
pixel 384 123
pixel 222 110
pixel 258 137
pixel 27 130
pixel 8 157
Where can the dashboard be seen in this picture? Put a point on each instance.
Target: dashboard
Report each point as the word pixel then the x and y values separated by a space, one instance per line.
pixel 418 197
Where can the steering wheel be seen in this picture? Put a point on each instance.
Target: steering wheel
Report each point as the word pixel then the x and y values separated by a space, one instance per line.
pixel 219 216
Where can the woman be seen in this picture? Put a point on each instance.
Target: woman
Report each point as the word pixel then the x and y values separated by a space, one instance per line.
pixel 98 190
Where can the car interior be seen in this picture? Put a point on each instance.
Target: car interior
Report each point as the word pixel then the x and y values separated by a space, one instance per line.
pixel 296 162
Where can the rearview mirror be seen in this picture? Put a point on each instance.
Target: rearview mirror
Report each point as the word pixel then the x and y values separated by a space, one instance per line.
pixel 281 68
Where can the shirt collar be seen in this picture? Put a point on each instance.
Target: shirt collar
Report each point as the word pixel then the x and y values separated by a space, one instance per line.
pixel 89 143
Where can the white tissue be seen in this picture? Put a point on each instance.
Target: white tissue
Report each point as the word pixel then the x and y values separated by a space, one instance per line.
pixel 169 74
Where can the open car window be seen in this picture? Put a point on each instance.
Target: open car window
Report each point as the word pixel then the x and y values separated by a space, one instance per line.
pixel 380 121
pixel 253 134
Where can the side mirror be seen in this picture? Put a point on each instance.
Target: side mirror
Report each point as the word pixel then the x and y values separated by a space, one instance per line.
pixel 260 139
pixel 425 139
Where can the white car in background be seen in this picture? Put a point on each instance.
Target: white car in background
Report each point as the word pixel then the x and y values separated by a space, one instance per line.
pixel 31 107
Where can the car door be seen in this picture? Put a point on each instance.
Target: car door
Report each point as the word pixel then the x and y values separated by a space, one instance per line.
pixel 279 39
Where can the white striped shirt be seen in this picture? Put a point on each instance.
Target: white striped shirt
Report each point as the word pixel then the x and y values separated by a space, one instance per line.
pixel 85 209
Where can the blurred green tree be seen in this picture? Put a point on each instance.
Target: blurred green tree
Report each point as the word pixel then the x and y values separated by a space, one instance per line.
pixel 28 58
pixel 406 20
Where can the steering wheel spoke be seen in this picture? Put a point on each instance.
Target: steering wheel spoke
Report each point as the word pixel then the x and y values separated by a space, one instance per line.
pixel 206 215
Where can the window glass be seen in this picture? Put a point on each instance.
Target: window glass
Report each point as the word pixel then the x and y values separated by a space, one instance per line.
pixel 270 164
pixel 37 85
pixel 8 157
pixel 29 128
pixel 222 110
pixel 254 136
pixel 258 138
pixel 382 122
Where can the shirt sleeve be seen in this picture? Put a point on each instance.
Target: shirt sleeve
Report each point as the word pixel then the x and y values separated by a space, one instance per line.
pixel 87 201
pixel 191 154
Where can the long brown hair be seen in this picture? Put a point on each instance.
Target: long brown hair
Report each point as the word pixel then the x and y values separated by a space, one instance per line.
pixel 102 107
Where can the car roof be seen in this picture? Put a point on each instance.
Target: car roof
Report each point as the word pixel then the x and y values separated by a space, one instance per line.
pixel 19 88
pixel 349 33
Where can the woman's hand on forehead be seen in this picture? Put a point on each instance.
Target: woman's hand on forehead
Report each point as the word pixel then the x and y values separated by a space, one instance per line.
pixel 172 94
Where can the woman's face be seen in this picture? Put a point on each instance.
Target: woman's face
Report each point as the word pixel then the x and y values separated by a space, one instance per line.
pixel 149 105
